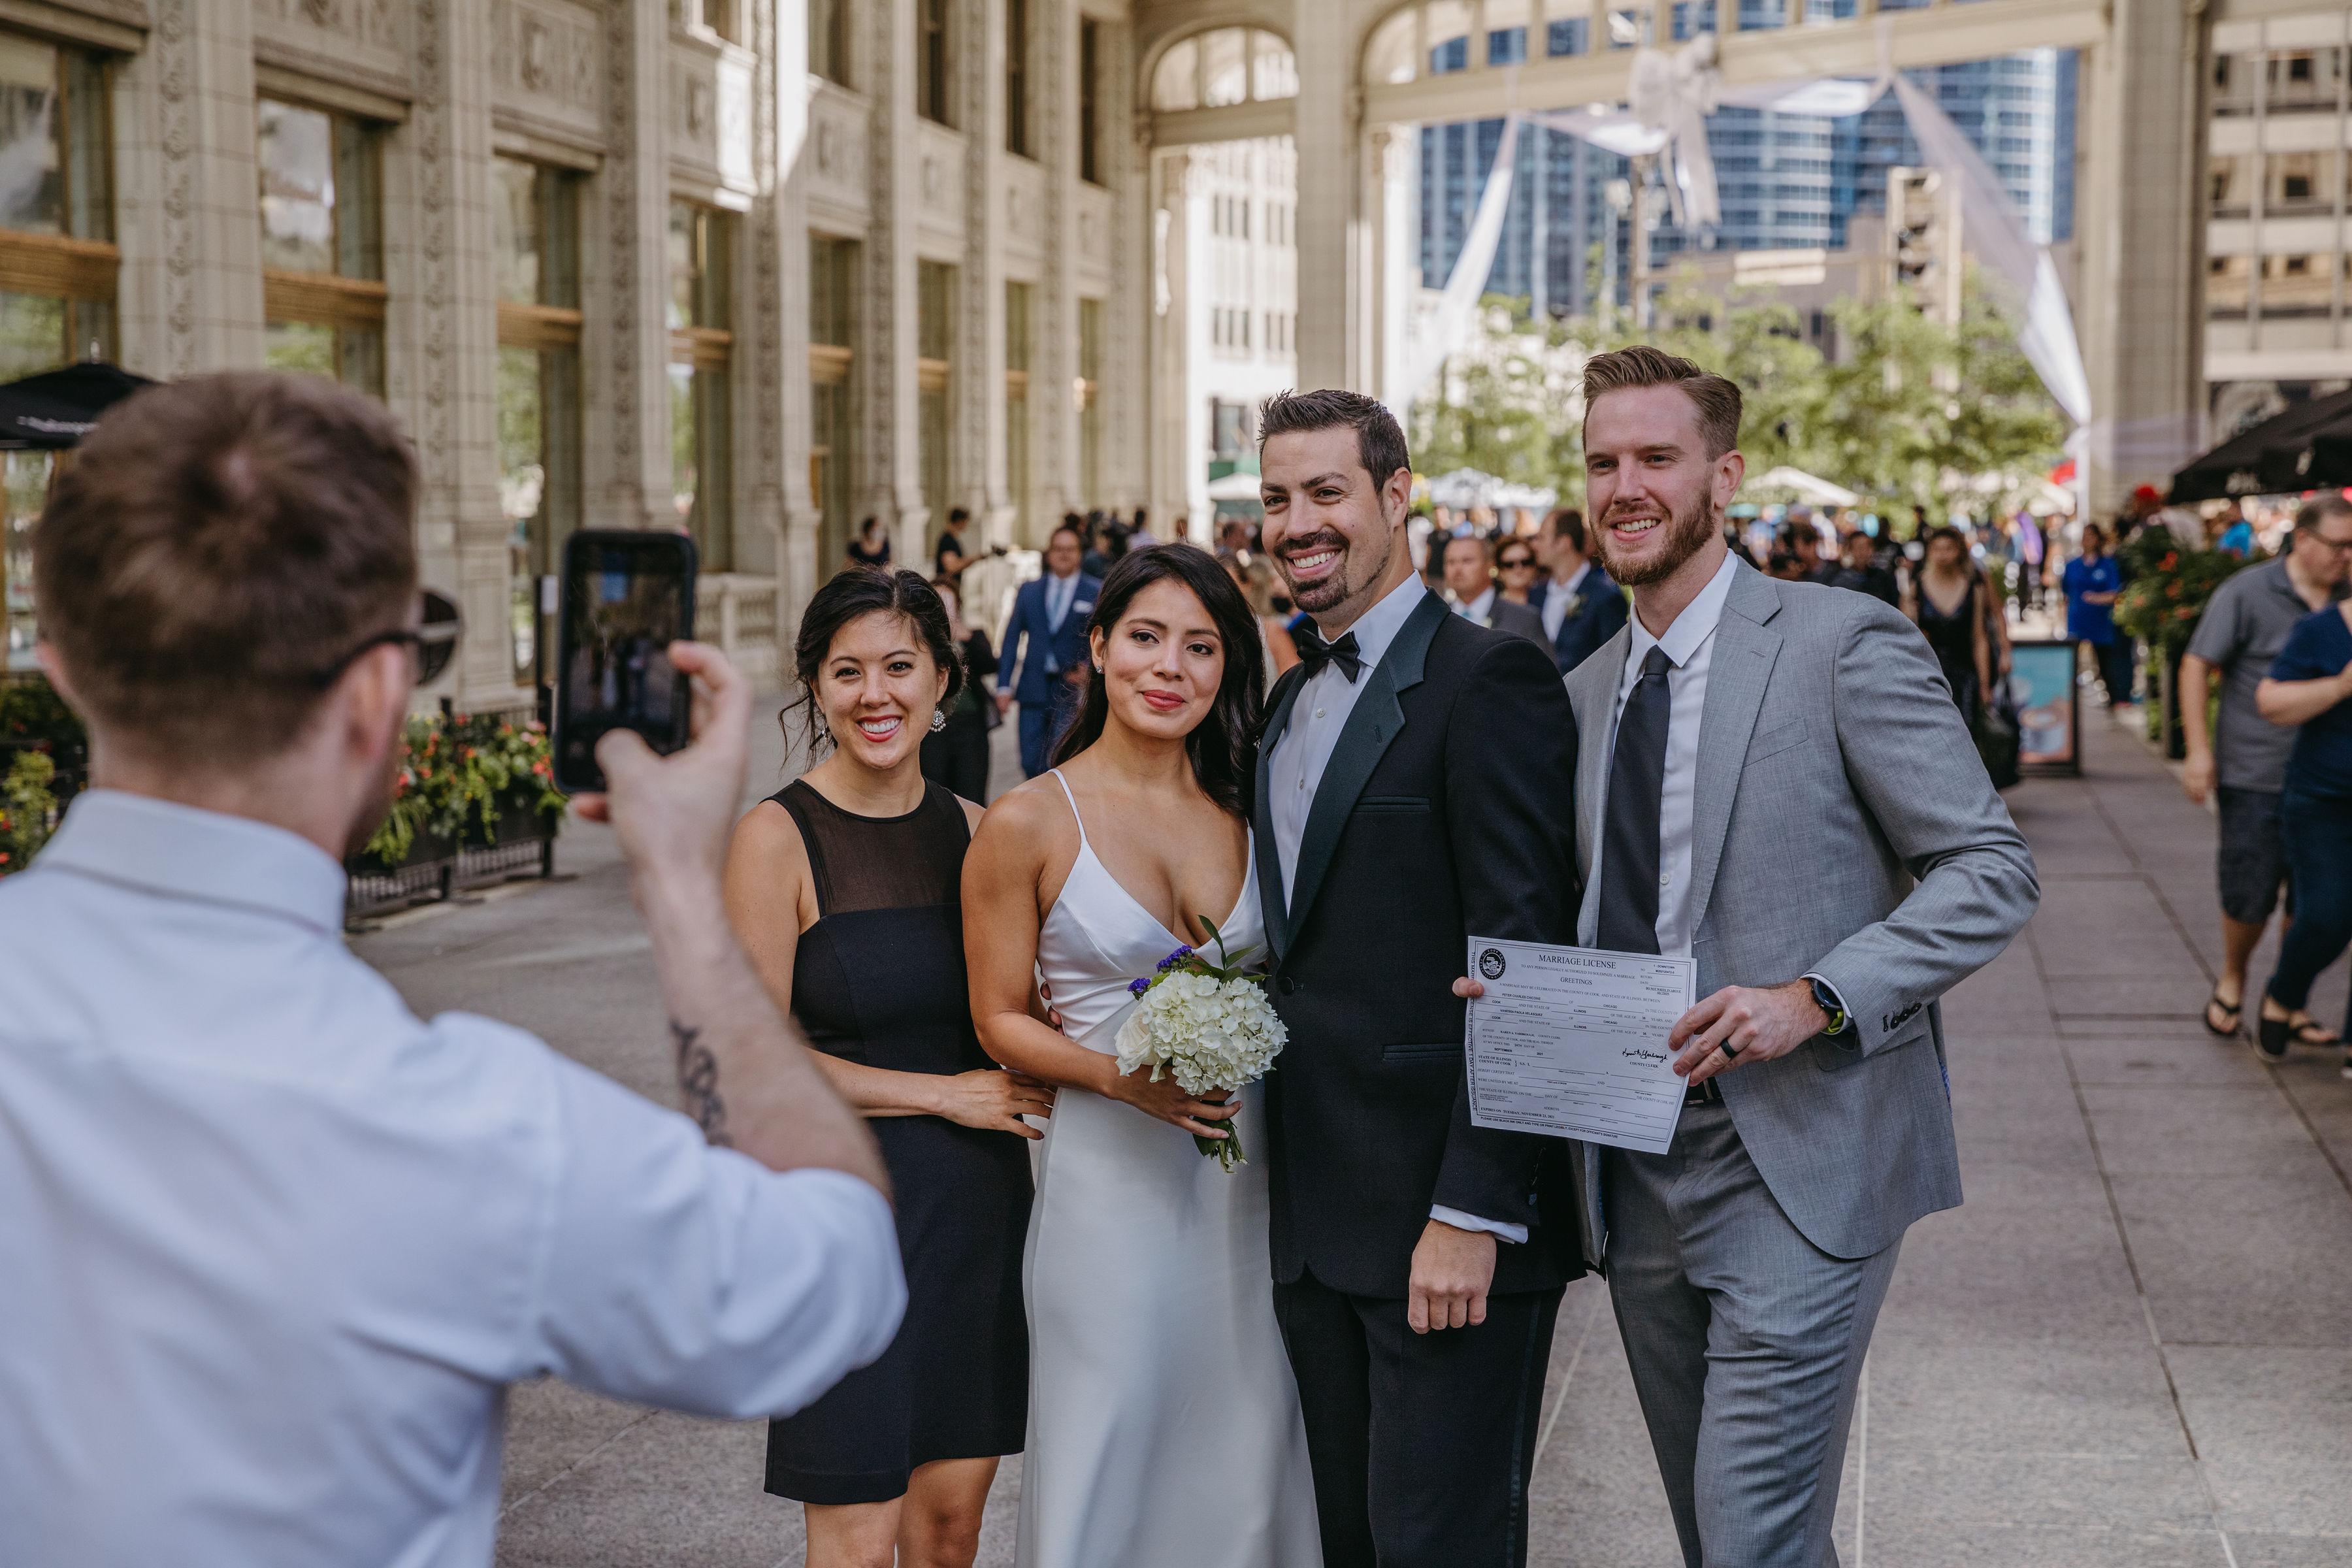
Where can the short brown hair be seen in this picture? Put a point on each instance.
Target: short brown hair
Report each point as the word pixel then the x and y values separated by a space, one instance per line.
pixel 1379 441
pixel 1567 522
pixel 216 544
pixel 1716 397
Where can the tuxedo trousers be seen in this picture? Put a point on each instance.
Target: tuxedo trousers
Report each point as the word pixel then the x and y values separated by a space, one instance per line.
pixel 1421 1445
pixel 1040 726
pixel 1746 1343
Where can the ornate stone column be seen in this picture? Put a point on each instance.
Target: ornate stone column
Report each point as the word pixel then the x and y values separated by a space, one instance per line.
pixel 632 392
pixel 780 307
pixel 893 453
pixel 981 420
pixel 1052 405
pixel 187 193
pixel 2141 306
pixel 444 324
pixel 1331 260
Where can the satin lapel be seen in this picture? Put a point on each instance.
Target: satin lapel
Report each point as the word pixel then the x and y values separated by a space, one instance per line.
pixel 1269 856
pixel 1593 691
pixel 1371 730
pixel 1736 674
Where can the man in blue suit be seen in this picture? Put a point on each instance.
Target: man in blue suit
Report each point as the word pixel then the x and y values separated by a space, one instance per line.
pixel 1580 607
pixel 1052 614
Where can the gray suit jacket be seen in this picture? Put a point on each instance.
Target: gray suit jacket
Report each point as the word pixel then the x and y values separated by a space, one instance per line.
pixel 1843 826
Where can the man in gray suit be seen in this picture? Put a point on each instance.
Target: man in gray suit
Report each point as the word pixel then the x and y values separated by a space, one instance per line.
pixel 1774 781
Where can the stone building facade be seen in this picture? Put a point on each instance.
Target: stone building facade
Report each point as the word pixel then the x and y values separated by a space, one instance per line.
pixel 754 269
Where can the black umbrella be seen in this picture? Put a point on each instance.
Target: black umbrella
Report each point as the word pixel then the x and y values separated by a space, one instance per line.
pixel 2308 447
pixel 57 407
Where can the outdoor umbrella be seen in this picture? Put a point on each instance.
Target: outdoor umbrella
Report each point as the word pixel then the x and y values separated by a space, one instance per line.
pixel 57 407
pixel 2308 447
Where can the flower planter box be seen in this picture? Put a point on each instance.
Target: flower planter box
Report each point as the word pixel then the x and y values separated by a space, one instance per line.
pixel 435 868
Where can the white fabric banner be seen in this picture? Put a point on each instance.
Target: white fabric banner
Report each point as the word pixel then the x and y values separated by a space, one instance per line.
pixel 1446 331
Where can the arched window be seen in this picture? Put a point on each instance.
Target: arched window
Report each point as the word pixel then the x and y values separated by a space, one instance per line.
pixel 1223 67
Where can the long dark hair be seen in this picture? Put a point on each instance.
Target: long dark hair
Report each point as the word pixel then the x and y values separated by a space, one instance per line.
pixel 861 591
pixel 1220 744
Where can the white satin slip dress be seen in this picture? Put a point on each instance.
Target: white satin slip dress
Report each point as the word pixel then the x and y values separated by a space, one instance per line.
pixel 1163 1419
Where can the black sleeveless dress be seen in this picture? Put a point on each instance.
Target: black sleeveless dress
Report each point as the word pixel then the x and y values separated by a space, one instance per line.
pixel 1954 640
pixel 879 979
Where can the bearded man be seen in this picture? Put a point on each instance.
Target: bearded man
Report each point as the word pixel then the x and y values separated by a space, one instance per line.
pixel 1775 782
pixel 1416 783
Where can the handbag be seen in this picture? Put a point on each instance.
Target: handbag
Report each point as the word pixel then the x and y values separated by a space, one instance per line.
pixel 1995 732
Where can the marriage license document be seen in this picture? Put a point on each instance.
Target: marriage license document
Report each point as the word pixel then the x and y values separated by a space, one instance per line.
pixel 1572 1041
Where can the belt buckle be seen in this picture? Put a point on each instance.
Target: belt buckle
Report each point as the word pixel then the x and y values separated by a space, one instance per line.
pixel 1708 1093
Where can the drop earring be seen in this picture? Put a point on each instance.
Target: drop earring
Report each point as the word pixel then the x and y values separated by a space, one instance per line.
pixel 938 721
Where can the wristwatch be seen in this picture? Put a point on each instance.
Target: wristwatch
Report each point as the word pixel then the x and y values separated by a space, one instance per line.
pixel 1827 1001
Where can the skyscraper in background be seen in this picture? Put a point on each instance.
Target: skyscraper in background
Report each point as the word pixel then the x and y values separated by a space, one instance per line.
pixel 1786 181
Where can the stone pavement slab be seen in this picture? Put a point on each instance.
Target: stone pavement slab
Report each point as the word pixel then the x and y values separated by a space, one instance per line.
pixel 2132 1346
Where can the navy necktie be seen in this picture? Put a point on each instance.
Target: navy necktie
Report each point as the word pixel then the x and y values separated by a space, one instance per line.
pixel 1637 777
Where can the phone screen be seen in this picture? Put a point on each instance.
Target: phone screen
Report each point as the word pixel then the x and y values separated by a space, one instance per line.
pixel 626 597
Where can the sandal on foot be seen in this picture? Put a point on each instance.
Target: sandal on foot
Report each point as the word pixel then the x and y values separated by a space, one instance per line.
pixel 2312 1032
pixel 2270 1035
pixel 2237 1016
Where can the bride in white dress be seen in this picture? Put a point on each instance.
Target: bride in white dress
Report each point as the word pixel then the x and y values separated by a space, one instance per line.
pixel 1163 1421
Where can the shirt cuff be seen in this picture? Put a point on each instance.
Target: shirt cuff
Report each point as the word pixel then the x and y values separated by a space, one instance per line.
pixel 1823 982
pixel 1460 1221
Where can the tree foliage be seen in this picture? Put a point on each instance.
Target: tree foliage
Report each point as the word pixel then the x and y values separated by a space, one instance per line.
pixel 1909 410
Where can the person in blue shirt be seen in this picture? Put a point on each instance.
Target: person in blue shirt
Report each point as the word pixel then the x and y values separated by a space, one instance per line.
pixel 2092 582
pixel 2234 535
pixel 2310 684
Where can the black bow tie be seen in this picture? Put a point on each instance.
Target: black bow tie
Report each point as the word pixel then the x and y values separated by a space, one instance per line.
pixel 1314 653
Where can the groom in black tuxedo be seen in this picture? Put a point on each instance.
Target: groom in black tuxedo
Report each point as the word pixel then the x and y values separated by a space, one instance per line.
pixel 1415 784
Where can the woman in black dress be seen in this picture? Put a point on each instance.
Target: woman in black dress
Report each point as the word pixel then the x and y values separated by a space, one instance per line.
pixel 1947 605
pixel 872 545
pixel 955 754
pixel 844 887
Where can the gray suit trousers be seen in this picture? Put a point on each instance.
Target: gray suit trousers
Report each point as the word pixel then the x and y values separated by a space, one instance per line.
pixel 1746 1343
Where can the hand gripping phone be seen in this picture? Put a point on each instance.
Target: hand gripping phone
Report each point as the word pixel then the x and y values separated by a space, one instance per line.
pixel 626 597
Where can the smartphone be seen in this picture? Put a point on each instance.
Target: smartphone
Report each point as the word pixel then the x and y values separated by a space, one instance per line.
pixel 626 597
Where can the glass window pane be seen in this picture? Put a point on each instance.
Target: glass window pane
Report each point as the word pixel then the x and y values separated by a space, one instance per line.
pixel 1275 69
pixel 359 360
pixel 32 334
pixel 1176 80
pixel 514 231
pixel 32 187
pixel 713 520
pixel 297 189
pixel 1448 35
pixel 89 153
pixel 559 238
pixel 522 489
pixel 303 346
pixel 1224 77
pixel 359 236
pixel 25 483
pixel 681 265
pixel 685 449
pixel 1016 327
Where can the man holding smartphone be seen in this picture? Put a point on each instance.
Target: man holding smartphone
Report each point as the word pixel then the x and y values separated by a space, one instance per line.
pixel 276 1245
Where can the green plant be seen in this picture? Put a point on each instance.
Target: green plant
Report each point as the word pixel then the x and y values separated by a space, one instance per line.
pixel 2169 588
pixel 454 772
pixel 27 809
pixel 31 712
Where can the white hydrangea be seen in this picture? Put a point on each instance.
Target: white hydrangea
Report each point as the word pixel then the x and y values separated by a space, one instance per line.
pixel 1209 1033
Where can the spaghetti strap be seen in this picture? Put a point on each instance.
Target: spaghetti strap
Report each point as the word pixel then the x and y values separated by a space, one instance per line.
pixel 1073 808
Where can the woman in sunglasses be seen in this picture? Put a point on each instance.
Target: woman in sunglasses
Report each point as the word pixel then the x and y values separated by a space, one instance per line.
pixel 1514 568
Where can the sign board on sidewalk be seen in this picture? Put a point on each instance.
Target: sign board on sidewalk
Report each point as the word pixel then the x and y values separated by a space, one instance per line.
pixel 2049 713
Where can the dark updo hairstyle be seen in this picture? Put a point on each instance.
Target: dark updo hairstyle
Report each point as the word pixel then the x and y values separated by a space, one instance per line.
pixel 861 591
pixel 1220 744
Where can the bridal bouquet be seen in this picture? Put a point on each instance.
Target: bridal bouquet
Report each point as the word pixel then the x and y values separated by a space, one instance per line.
pixel 1208 1023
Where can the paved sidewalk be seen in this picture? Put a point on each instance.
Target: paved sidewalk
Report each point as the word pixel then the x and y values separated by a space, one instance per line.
pixel 2132 1347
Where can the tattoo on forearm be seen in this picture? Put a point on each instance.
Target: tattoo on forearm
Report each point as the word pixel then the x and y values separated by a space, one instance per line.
pixel 697 1081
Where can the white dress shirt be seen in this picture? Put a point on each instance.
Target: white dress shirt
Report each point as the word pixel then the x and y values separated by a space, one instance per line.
pixel 274 1247
pixel 1556 598
pixel 1689 644
pixel 1295 772
pixel 1480 609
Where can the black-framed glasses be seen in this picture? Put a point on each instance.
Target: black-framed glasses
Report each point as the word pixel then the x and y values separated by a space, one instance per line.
pixel 434 637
